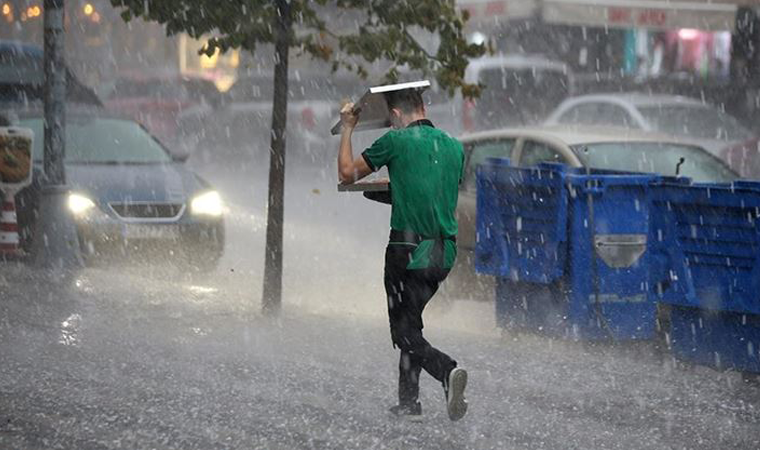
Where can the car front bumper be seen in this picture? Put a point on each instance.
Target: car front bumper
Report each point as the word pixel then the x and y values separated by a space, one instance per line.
pixel 194 236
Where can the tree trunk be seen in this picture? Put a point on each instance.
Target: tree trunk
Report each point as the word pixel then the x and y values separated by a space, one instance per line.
pixel 55 244
pixel 272 293
pixel 55 94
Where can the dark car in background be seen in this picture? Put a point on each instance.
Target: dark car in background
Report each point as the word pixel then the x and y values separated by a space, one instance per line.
pixel 519 90
pixel 174 108
pixel 128 195
pixel 22 77
pixel 243 126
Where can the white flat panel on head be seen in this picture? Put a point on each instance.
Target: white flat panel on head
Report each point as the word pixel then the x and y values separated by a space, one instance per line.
pixel 424 84
pixel 374 113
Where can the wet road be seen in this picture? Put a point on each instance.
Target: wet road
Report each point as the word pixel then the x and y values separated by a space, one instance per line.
pixel 146 357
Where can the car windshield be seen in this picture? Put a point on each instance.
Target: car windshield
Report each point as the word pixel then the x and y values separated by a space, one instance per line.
pixel 695 121
pixel 655 157
pixel 102 141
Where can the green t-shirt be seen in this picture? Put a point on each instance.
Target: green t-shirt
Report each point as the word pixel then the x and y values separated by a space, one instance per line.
pixel 425 166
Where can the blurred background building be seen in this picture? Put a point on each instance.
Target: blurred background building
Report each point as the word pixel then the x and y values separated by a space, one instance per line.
pixel 100 47
pixel 711 39
pixel 615 38
pixel 606 43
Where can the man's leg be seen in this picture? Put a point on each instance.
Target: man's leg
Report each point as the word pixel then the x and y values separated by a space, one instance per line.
pixel 406 324
pixel 409 369
pixel 410 340
pixel 455 381
pixel 396 259
pixel 408 293
pixel 420 287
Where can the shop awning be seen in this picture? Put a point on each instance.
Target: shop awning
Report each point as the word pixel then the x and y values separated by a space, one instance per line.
pixel 707 15
pixel 488 10
pixel 652 14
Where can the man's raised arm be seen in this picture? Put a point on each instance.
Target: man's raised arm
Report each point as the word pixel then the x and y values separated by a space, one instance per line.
pixel 349 169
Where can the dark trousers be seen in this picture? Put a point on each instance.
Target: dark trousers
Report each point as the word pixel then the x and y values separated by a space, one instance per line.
pixel 408 292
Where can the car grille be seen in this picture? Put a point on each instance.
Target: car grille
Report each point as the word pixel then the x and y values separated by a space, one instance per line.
pixel 156 211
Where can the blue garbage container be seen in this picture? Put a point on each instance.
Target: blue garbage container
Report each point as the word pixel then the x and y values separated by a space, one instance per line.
pixel 706 267
pixel 521 221
pixel 522 240
pixel 609 264
pixel 569 248
pixel 724 340
pixel 706 240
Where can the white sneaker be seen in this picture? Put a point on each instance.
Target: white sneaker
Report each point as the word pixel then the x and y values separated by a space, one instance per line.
pixel 455 401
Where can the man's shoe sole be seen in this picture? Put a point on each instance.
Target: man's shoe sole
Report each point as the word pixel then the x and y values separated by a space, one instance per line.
pixel 456 403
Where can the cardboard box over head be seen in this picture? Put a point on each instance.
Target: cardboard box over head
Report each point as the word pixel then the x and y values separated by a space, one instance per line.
pixel 16 158
pixel 373 106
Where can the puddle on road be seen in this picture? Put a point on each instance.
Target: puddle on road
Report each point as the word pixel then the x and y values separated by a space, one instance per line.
pixel 200 331
pixel 201 290
pixel 83 284
pixel 70 330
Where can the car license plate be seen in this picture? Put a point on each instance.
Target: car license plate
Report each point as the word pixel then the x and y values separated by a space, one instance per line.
pixel 151 232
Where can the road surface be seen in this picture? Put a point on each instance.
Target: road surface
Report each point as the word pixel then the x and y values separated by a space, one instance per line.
pixel 146 357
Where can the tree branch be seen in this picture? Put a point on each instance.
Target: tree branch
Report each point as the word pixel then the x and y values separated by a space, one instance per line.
pixel 419 47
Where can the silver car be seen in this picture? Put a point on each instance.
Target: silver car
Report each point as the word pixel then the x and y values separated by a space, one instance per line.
pixel 684 117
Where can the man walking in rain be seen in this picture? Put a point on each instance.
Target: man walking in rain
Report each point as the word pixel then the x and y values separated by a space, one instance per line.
pixel 425 166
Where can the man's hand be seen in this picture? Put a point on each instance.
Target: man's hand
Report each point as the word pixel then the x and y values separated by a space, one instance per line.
pixel 348 117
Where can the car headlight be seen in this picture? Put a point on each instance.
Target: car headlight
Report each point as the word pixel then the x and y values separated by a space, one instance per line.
pixel 207 204
pixel 79 204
